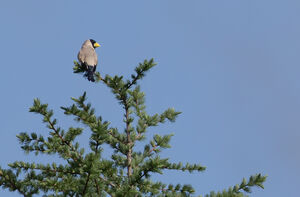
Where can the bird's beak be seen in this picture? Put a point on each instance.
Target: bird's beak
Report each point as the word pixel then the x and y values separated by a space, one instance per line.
pixel 97 45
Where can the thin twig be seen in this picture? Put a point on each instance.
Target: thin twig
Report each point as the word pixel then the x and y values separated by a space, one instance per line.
pixel 86 183
pixel 64 141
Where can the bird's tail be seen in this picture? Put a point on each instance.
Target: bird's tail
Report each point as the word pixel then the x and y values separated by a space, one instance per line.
pixel 90 73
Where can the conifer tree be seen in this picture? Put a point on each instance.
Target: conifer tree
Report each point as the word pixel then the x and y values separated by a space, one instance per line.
pixel 127 173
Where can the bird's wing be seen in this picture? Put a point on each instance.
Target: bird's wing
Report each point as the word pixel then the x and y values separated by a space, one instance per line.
pixel 80 57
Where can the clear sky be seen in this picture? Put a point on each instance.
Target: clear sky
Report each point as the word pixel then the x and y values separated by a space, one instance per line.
pixel 232 68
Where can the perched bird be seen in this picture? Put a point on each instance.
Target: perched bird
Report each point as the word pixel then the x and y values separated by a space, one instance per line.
pixel 87 56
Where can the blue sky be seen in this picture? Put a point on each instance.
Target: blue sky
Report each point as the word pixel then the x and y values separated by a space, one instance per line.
pixel 231 67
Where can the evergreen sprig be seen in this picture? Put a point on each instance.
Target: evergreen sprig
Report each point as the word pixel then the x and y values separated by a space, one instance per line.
pixel 78 68
pixel 255 180
pixel 127 173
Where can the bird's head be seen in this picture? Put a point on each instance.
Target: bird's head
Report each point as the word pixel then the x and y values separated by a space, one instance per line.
pixel 94 43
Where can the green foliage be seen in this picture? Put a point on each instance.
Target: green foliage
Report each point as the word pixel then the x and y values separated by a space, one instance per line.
pixel 256 180
pixel 87 173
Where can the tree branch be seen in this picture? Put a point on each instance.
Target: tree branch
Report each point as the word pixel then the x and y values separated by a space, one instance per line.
pixel 129 143
pixel 86 183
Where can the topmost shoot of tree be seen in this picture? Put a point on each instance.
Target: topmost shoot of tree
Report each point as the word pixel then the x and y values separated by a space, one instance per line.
pixel 127 173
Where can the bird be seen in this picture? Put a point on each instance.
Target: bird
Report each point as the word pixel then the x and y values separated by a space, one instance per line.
pixel 87 57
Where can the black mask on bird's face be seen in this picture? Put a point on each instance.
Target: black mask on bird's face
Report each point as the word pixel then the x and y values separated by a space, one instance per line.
pixel 94 43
